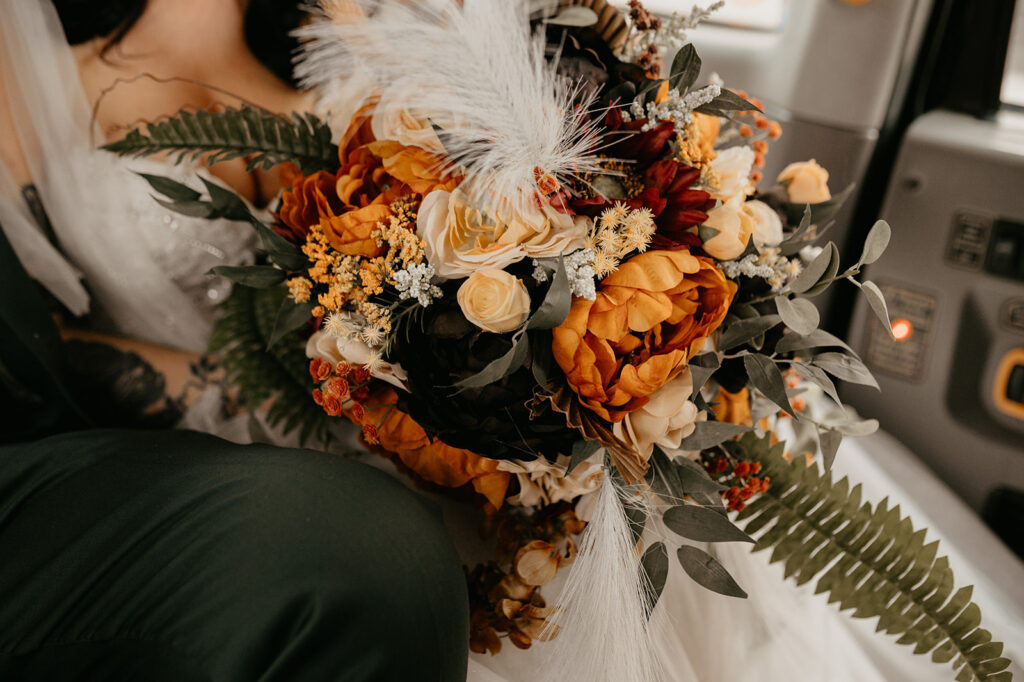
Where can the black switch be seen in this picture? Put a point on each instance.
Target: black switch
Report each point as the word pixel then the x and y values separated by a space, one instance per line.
pixel 1015 384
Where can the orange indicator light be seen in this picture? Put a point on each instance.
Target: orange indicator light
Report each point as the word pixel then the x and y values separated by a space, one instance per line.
pixel 902 329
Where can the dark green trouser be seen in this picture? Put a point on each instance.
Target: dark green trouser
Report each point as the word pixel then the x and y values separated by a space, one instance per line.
pixel 152 556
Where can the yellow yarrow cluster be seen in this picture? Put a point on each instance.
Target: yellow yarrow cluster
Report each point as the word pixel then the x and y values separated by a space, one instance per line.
pixel 619 231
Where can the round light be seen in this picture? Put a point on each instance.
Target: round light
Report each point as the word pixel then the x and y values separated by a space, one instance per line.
pixel 902 329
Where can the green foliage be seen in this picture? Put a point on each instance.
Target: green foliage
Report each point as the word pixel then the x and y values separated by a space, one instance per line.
pixel 867 558
pixel 269 139
pixel 261 372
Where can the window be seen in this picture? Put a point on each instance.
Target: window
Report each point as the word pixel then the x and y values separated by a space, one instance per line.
pixel 1013 78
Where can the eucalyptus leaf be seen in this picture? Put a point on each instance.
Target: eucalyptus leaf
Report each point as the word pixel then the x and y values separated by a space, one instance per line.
pixel 857 428
pixel 727 102
pixel 819 338
pixel 707 572
pixel 708 434
pixel 574 16
pixel 877 302
pixel 706 233
pixel 829 275
pixel 817 376
pixel 764 374
pixel 290 316
pixel 555 307
pixel 693 479
pixel 502 367
pixel 701 368
pixel 798 314
pixel 845 367
pixel 582 450
pixel 797 240
pixel 685 68
pixel 811 274
pixel 829 441
pixel 173 190
pixel 655 565
pixel 226 203
pixel 256 276
pixel 742 331
pixel 875 243
pixel 542 360
pixel 703 525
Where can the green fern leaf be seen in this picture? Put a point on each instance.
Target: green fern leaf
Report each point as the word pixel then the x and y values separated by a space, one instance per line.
pixel 868 559
pixel 266 138
pixel 259 372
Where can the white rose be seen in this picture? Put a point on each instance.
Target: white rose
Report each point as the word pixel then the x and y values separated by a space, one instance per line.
pixel 353 351
pixel 767 224
pixel 494 300
pixel 732 167
pixel 543 483
pixel 667 418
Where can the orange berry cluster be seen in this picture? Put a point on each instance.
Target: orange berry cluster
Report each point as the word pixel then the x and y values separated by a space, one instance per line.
pixel 341 389
pixel 761 127
pixel 749 484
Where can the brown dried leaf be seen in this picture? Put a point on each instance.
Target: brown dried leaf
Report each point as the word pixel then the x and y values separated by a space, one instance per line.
pixel 536 563
pixel 564 400
pixel 611 22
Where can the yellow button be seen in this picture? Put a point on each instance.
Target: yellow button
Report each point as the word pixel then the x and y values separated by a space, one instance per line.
pixel 1008 391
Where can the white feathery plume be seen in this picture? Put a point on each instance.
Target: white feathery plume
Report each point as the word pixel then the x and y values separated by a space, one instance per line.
pixel 601 615
pixel 476 72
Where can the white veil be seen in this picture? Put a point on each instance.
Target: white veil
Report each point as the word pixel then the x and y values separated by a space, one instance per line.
pixel 99 209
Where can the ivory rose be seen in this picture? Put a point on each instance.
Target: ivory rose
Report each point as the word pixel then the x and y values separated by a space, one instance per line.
pixel 648 318
pixel 806 182
pixel 459 239
pixel 767 223
pixel 665 420
pixel 734 225
pixel 494 300
pixel 353 351
pixel 391 120
pixel 732 168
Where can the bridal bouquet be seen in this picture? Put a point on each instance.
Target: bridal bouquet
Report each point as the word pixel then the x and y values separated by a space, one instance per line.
pixel 539 267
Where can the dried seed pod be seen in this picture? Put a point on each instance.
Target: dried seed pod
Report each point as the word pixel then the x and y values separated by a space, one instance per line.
pixel 611 22
pixel 536 563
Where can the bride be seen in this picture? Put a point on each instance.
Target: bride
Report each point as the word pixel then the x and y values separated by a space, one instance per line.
pixel 160 555
pixel 139 271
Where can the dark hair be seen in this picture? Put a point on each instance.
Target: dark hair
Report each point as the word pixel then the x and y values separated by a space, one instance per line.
pixel 268 27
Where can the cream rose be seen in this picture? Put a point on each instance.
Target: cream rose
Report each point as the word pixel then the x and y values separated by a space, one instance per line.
pixel 806 182
pixel 767 223
pixel 353 351
pixel 391 120
pixel 732 168
pixel 543 483
pixel 494 300
pixel 667 418
pixel 459 239
pixel 735 226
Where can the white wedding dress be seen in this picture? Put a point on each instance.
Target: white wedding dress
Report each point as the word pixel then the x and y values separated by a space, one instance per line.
pixel 145 269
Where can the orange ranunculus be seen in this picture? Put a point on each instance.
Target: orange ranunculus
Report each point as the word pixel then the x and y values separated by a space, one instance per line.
pixel 733 408
pixel 649 318
pixel 422 171
pixel 300 204
pixel 430 458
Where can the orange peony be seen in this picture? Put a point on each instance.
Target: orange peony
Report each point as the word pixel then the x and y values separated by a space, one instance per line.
pixel 300 204
pixel 428 457
pixel 649 318
pixel 422 171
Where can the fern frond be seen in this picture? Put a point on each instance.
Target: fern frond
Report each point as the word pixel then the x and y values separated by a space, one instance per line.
pixel 869 559
pixel 267 138
pixel 240 338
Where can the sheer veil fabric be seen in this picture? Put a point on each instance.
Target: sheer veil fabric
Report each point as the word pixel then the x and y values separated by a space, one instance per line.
pixel 144 267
